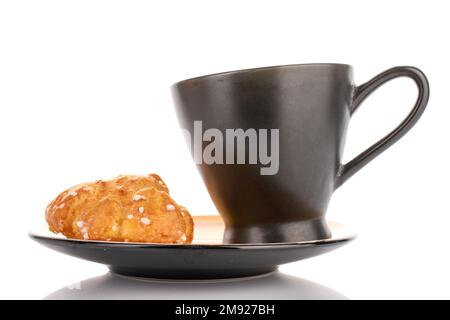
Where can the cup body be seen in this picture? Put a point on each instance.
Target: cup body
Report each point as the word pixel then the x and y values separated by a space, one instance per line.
pixel 310 107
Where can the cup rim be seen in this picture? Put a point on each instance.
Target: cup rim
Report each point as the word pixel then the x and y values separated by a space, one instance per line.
pixel 247 70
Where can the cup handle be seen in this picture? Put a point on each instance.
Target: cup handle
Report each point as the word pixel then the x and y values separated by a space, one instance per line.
pixel 361 93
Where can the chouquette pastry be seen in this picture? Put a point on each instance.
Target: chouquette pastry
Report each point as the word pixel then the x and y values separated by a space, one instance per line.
pixel 129 208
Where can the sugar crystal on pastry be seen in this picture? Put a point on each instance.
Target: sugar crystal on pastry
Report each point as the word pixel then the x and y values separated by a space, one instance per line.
pixel 138 197
pixel 145 221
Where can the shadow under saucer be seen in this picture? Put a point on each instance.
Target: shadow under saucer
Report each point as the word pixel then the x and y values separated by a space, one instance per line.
pixel 272 286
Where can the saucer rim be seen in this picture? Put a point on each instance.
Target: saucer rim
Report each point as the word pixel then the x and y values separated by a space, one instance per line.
pixel 349 236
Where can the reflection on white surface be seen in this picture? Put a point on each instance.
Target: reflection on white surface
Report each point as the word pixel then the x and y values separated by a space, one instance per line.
pixel 272 286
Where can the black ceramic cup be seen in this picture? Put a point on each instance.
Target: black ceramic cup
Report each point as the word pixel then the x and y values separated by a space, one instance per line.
pixel 310 105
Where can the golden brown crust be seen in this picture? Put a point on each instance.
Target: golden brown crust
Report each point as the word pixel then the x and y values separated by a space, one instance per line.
pixel 127 208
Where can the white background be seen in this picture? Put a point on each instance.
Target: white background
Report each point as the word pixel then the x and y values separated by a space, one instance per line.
pixel 84 94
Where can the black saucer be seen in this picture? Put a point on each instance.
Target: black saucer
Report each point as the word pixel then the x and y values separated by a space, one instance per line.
pixel 206 258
